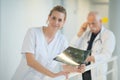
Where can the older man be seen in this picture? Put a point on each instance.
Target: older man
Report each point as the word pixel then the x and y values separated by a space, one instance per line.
pixel 101 41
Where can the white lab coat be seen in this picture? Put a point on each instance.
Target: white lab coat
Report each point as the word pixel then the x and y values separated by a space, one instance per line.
pixel 44 53
pixel 102 50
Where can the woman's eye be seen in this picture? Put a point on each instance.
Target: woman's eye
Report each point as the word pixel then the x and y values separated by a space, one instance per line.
pixel 59 20
pixel 53 18
pixel 93 23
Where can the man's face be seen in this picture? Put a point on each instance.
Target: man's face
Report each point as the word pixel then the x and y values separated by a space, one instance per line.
pixel 94 23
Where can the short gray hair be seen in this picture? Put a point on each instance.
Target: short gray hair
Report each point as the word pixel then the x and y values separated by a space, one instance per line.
pixel 95 13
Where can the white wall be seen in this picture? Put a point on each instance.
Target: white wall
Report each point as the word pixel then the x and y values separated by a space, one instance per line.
pixel 0 38
pixel 102 6
pixel 114 14
pixel 77 11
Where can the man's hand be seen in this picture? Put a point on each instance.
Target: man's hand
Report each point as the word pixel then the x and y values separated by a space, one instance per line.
pixel 82 29
pixel 84 26
pixel 90 59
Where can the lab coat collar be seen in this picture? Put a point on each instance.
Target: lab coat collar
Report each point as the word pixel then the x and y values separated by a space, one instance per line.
pixel 99 34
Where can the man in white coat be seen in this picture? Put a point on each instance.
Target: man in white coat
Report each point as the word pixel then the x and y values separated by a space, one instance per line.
pixel 101 41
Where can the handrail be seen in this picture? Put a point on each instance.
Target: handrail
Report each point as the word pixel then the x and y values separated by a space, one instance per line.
pixel 114 69
pixel 113 59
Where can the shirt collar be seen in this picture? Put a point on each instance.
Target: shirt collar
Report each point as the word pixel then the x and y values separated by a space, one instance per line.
pixel 99 34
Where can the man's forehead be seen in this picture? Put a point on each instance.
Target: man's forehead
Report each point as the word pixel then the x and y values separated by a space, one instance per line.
pixel 93 13
pixel 91 18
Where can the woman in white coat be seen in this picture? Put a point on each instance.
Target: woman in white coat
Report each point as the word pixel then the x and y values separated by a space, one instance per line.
pixel 40 46
pixel 101 41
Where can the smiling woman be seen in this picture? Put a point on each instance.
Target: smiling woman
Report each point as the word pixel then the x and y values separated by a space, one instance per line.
pixel 40 46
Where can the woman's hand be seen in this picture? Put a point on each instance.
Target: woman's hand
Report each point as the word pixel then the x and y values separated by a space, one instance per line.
pixel 69 68
pixel 62 73
pixel 81 68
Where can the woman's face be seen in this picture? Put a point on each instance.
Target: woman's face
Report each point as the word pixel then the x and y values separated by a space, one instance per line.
pixel 56 19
